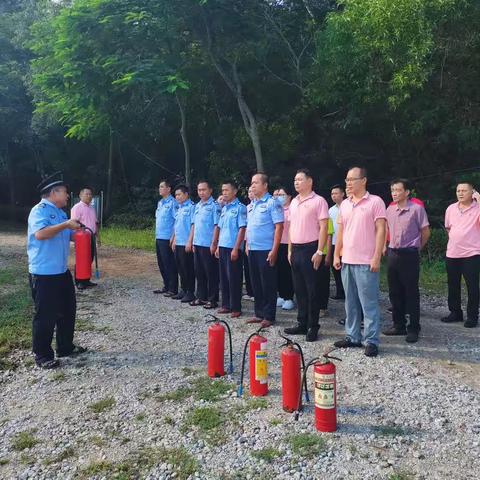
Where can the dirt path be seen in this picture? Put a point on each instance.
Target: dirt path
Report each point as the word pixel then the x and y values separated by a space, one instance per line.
pixel 412 411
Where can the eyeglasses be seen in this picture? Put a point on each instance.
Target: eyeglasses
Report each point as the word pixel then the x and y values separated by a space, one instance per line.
pixel 351 180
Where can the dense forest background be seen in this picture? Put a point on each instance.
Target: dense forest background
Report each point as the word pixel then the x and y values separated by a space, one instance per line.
pixel 121 93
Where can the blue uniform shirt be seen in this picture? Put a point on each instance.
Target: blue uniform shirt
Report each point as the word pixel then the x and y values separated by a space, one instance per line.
pixel 183 222
pixel 165 218
pixel 232 218
pixel 262 216
pixel 205 218
pixel 47 257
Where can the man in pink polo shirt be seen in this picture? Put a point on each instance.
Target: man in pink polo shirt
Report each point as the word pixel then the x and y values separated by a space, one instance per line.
pixel 462 221
pixel 360 242
pixel 85 213
pixel 308 237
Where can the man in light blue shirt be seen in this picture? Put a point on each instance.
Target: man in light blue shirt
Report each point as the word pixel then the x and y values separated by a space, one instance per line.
pixel 205 219
pixel 231 232
pixel 164 223
pixel 264 232
pixel 182 244
pixel 51 283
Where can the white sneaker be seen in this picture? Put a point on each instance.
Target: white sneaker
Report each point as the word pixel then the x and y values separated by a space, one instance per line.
pixel 249 298
pixel 288 305
pixel 323 313
pixel 280 302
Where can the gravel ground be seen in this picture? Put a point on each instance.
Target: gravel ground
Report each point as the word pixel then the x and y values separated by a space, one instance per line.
pixel 138 405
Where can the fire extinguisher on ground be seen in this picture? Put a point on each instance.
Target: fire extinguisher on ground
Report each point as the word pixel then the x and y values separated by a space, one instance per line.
pixel 293 363
pixel 258 365
pixel 325 392
pixel 216 347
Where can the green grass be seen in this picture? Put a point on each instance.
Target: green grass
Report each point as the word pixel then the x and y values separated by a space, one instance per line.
pixel 175 395
pixel 307 445
pixel 400 475
pixel 390 430
pixel 23 440
pixel 183 463
pixel 15 313
pixel 205 418
pixel 267 454
pixel 125 238
pixel 211 390
pixel 4 461
pixel 102 405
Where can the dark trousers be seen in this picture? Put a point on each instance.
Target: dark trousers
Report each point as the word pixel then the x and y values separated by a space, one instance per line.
pixel 246 270
pixel 55 306
pixel 324 284
pixel 285 280
pixel 184 261
pixel 206 273
pixel 93 248
pixel 337 275
pixel 264 284
pixel 307 282
pixel 231 280
pixel 403 270
pixel 468 268
pixel 167 265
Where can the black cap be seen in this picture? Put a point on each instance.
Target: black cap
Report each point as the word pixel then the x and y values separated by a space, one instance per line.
pixel 54 180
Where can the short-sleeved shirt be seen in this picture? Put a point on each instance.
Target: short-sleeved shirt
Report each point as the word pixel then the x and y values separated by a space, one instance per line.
pixel 205 217
pixel 232 219
pixel 464 230
pixel 286 225
pixel 333 213
pixel 47 257
pixel 262 216
pixel 359 230
pixel 330 231
pixel 405 225
pixel 165 218
pixel 86 214
pixel 305 217
pixel 183 222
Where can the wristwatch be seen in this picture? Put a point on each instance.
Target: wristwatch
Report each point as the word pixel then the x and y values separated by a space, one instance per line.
pixel 319 252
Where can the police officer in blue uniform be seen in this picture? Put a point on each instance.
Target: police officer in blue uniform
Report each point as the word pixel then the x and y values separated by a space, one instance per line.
pixel 164 222
pixel 205 219
pixel 182 244
pixel 51 283
pixel 264 232
pixel 231 226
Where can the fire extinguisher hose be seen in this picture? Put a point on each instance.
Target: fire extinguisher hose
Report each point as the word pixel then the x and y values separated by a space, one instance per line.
pixel 304 381
pixel 240 384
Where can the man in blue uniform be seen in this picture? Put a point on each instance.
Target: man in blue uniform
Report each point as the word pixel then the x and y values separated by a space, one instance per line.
pixel 164 222
pixel 231 227
pixel 182 244
pixel 205 219
pixel 264 232
pixel 51 283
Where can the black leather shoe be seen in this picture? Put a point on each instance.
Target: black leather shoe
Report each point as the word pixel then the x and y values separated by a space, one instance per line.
pixel 346 343
pixel 90 284
pixel 312 335
pixel 395 331
pixel 77 350
pixel 178 296
pixel 161 291
pixel 170 294
pixel 371 350
pixel 48 364
pixel 81 286
pixel 338 297
pixel 470 323
pixel 411 337
pixel 187 298
pixel 298 330
pixel 452 318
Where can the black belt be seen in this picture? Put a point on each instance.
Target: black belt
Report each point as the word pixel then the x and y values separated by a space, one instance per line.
pixel 310 244
pixel 404 250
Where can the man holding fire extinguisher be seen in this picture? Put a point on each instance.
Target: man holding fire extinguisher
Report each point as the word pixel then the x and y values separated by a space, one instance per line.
pixel 85 213
pixel 53 292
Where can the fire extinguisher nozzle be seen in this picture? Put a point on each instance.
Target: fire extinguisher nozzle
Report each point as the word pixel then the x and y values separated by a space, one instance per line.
pixel 240 391
pixel 297 414
pixel 230 368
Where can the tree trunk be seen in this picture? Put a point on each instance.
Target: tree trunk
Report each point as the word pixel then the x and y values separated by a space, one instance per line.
pixel 131 200
pixel 108 199
pixel 183 134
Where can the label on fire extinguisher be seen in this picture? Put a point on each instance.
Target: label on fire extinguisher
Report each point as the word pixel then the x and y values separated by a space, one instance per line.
pixel 261 368
pixel 324 391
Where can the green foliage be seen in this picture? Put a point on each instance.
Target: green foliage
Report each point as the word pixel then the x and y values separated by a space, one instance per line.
pixel 102 405
pixel 131 221
pixel 126 238
pixel 436 246
pixel 24 440
pixel 307 445
pixel 266 454
pixel 205 419
pixel 211 390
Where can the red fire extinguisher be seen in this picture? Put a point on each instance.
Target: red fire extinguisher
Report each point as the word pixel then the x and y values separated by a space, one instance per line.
pixel 83 254
pixel 325 392
pixel 216 347
pixel 293 363
pixel 258 365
